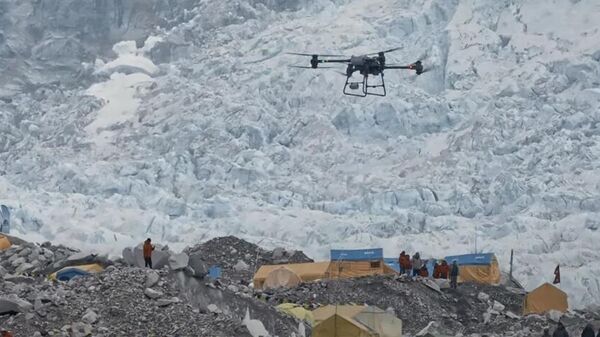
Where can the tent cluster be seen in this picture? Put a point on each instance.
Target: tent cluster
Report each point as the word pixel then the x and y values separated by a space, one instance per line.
pixel 343 264
pixel 477 268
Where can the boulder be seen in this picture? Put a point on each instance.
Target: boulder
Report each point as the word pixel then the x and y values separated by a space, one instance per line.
pixel 278 253
pixel 163 302
pixel 431 284
pixel 442 283
pixel 81 329
pixel 554 315
pixel 483 297
pixel 198 265
pixel 498 306
pixel 178 261
pixel 431 330
pixel 512 315
pixel 78 259
pixel 18 261
pixel 213 308
pixel 26 251
pixel 25 267
pixel 13 304
pixel 153 294
pixel 90 317
pixel 19 279
pixel 152 278
pixel 241 266
pixel 487 316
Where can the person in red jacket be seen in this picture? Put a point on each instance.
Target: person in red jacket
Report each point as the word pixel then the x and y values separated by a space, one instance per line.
pixel 423 272
pixel 436 270
pixel 444 270
pixel 404 262
pixel 148 248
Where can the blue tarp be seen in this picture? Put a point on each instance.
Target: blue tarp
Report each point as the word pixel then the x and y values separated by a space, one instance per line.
pixel 393 263
pixel 483 259
pixel 214 272
pixel 69 273
pixel 356 254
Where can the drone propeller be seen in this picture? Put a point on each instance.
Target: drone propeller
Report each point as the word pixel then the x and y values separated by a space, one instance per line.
pixel 385 51
pixel 317 55
pixel 309 67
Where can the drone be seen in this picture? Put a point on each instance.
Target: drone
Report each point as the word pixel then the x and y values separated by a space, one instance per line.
pixel 367 65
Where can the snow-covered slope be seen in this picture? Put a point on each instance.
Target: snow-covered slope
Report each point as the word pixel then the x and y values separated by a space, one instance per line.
pixel 204 131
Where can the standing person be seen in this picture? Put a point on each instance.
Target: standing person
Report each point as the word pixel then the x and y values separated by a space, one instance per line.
pixel 560 331
pixel 148 248
pixel 588 331
pixel 436 270
pixel 417 264
pixel 405 263
pixel 454 275
pixel 444 270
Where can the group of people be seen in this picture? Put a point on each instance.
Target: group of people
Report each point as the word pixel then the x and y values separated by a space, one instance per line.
pixel 415 266
pixel 561 331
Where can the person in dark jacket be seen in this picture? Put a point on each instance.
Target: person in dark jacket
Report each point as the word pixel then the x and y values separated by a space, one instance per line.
pixel 588 331
pixel 560 331
pixel 454 275
pixel 417 264
pixel 148 248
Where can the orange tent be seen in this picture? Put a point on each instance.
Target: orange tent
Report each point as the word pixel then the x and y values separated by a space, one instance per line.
pixel 545 298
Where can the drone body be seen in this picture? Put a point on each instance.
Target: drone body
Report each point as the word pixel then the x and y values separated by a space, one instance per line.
pixel 366 65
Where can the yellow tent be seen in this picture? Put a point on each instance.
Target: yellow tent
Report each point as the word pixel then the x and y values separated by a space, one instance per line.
pixel 281 277
pixel 4 242
pixel 355 321
pixel 68 273
pixel 478 268
pixel 305 272
pixel 545 298
pixel 289 275
pixel 349 269
pixel 297 311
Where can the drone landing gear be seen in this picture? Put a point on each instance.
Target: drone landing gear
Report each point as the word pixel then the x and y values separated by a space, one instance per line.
pixel 364 87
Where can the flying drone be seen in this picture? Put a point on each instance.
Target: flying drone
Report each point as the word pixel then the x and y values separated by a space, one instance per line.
pixel 367 65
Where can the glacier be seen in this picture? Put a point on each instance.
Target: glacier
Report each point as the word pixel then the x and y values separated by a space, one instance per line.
pixel 183 122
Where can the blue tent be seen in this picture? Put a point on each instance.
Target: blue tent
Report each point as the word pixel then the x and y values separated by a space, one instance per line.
pixel 69 273
pixel 356 254
pixel 484 259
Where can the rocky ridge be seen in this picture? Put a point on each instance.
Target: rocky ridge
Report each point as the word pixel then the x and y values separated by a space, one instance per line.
pixel 131 301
